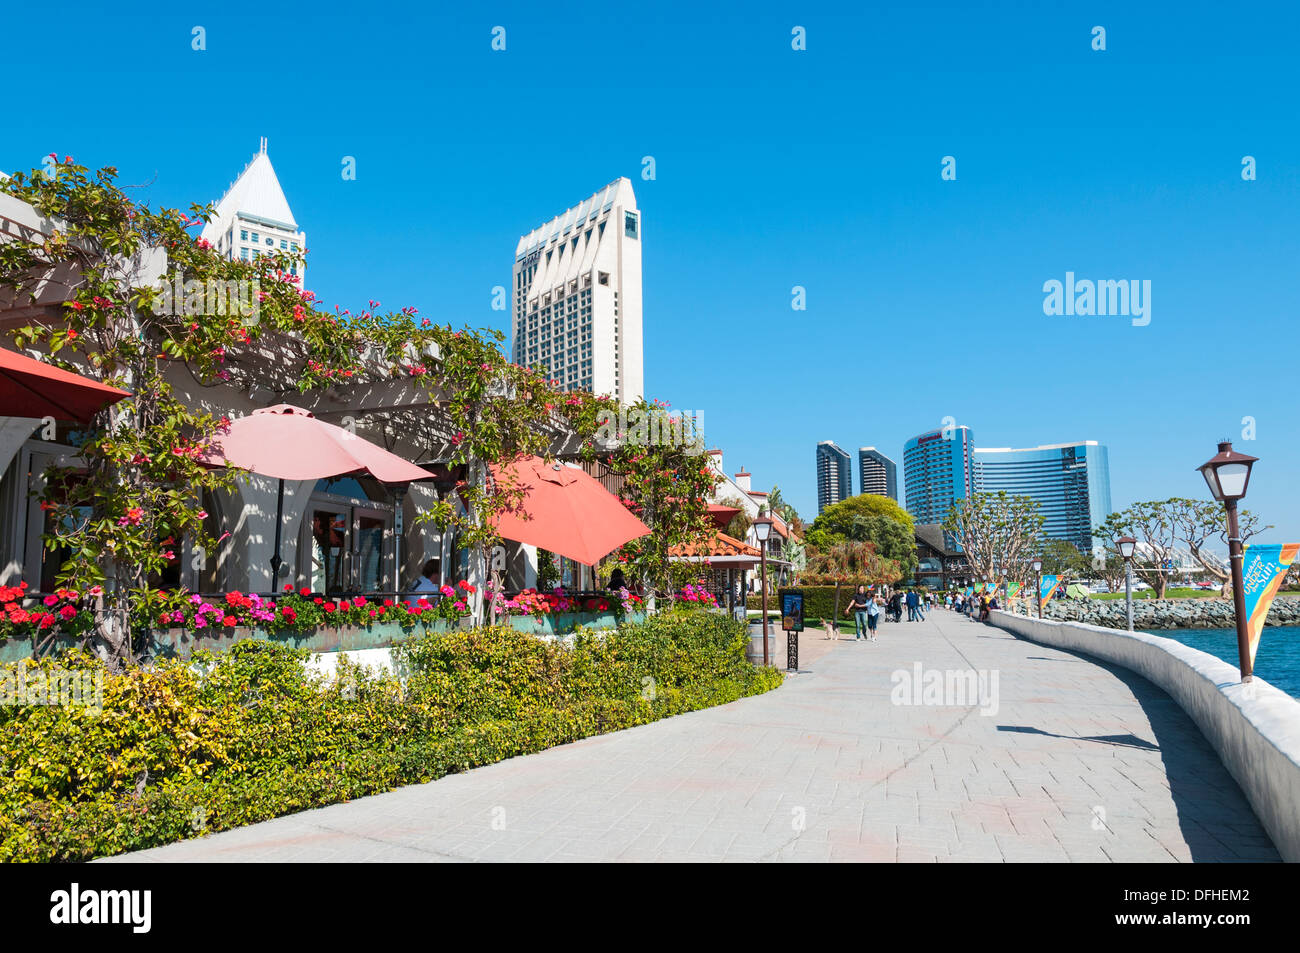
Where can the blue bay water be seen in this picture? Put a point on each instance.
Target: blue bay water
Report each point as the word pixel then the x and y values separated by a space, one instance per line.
pixel 1277 660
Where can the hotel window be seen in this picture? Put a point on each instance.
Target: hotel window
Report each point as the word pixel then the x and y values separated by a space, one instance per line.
pixel 243 234
pixel 271 242
pixel 604 278
pixel 283 245
pixel 630 224
pixel 254 234
pixel 243 253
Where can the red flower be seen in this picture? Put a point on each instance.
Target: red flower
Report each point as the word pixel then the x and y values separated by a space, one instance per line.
pixel 288 587
pixel 304 591
pixel 67 612
pixel 230 622
pixel 329 607
pixel 319 601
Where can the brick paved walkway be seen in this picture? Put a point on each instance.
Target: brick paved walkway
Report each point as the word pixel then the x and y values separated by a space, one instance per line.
pixel 1080 762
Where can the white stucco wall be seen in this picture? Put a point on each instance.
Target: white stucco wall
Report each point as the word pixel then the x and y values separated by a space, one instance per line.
pixel 1255 728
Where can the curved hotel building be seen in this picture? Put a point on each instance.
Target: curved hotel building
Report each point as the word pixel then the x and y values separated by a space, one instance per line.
pixel 1070 481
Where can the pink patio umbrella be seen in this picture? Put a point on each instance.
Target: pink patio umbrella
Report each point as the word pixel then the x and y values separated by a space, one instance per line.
pixel 290 443
pixel 568 512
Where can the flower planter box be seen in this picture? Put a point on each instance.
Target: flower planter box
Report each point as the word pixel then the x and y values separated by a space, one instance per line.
pixel 560 623
pixel 17 649
pixel 182 643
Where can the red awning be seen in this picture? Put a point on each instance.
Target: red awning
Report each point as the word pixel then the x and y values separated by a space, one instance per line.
pixel 31 388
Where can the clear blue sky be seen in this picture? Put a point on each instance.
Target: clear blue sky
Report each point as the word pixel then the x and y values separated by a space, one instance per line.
pixel 775 168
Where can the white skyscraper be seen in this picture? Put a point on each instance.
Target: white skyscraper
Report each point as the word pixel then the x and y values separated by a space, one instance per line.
pixel 253 217
pixel 577 296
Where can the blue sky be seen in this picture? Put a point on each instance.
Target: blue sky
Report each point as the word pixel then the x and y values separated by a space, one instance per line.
pixel 774 168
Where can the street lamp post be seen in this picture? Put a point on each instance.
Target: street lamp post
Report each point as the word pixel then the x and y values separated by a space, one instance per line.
pixel 1127 545
pixel 1037 566
pixel 1227 474
pixel 763 529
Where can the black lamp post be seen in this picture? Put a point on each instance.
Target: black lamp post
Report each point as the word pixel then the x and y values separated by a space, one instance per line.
pixel 763 529
pixel 1037 566
pixel 1227 474
pixel 1127 545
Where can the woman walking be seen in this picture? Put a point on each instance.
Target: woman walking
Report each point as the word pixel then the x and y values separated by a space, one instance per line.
pixel 859 609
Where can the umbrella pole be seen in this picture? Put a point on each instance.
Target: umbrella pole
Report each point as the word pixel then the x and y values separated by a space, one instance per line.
pixel 275 557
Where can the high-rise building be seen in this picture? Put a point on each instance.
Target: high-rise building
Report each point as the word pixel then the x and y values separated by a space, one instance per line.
pixel 877 473
pixel 1070 481
pixel 834 475
pixel 937 471
pixel 577 296
pixel 253 217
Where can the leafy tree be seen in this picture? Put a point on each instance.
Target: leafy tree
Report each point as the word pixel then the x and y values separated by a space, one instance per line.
pixel 999 534
pixel 1198 521
pixel 666 482
pixel 868 518
pixel 1062 558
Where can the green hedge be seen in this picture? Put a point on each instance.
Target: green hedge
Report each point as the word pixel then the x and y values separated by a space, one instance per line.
pixel 818 601
pixel 250 734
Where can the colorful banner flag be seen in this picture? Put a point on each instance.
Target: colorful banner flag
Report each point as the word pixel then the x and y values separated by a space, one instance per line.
pixel 1048 586
pixel 970 591
pixel 1012 589
pixel 1263 569
pixel 990 588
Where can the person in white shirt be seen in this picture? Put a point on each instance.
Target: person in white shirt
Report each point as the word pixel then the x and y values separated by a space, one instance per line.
pixel 425 585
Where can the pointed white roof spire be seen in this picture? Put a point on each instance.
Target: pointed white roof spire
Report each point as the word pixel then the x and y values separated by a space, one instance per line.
pixel 255 193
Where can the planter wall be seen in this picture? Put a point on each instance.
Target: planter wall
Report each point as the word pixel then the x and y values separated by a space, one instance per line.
pixel 182 643
pixel 561 623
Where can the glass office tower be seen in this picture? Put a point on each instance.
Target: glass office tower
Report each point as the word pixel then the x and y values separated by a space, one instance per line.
pixel 834 475
pixel 937 471
pixel 1070 481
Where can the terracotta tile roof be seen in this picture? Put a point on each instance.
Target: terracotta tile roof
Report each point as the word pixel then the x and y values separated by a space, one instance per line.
pixel 720 545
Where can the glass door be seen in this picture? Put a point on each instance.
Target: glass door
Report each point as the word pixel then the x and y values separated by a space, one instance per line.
pixel 371 533
pixel 330 527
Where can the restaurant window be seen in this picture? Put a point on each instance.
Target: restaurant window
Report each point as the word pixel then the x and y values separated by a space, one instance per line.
pixel 349 537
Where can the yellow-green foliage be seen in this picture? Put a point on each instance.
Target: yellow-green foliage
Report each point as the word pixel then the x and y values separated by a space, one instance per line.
pixel 180 749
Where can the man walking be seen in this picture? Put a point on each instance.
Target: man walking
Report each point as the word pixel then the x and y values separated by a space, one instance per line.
pixel 912 603
pixel 859 609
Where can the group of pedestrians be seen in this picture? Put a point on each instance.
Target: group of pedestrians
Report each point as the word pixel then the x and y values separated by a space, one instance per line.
pixel 867 607
pixel 975 606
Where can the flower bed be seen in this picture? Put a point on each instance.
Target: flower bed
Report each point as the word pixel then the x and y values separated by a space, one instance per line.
pixel 251 733
pixel 174 624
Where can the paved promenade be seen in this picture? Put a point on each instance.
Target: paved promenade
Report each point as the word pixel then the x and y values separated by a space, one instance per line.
pixel 1078 762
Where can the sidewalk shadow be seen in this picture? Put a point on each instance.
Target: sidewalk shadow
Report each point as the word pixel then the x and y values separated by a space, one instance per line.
pixel 1215 818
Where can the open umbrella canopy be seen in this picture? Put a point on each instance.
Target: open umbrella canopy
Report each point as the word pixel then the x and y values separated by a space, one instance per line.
pixel 291 443
pixel 566 511
pixel 30 388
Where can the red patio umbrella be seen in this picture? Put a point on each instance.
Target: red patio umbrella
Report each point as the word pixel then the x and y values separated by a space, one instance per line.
pixel 291 443
pixel 30 388
pixel 568 512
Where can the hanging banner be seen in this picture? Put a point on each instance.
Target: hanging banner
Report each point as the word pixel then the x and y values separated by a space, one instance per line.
pixel 1012 589
pixel 1048 586
pixel 990 588
pixel 1263 569
pixel 970 591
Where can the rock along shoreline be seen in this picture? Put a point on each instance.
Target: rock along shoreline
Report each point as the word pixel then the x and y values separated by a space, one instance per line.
pixel 1166 613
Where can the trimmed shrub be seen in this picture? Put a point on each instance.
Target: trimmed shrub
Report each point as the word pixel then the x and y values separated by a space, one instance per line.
pixel 182 749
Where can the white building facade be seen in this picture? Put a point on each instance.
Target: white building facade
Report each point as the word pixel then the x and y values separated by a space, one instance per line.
pixel 576 307
pixel 253 218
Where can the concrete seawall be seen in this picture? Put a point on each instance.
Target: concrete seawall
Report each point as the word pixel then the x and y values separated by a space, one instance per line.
pixel 1255 728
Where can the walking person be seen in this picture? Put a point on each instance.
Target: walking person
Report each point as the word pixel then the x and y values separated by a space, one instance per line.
pixel 912 603
pixel 873 615
pixel 858 606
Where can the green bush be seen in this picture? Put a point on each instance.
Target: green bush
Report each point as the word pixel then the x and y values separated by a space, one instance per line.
pixel 180 749
pixel 818 601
